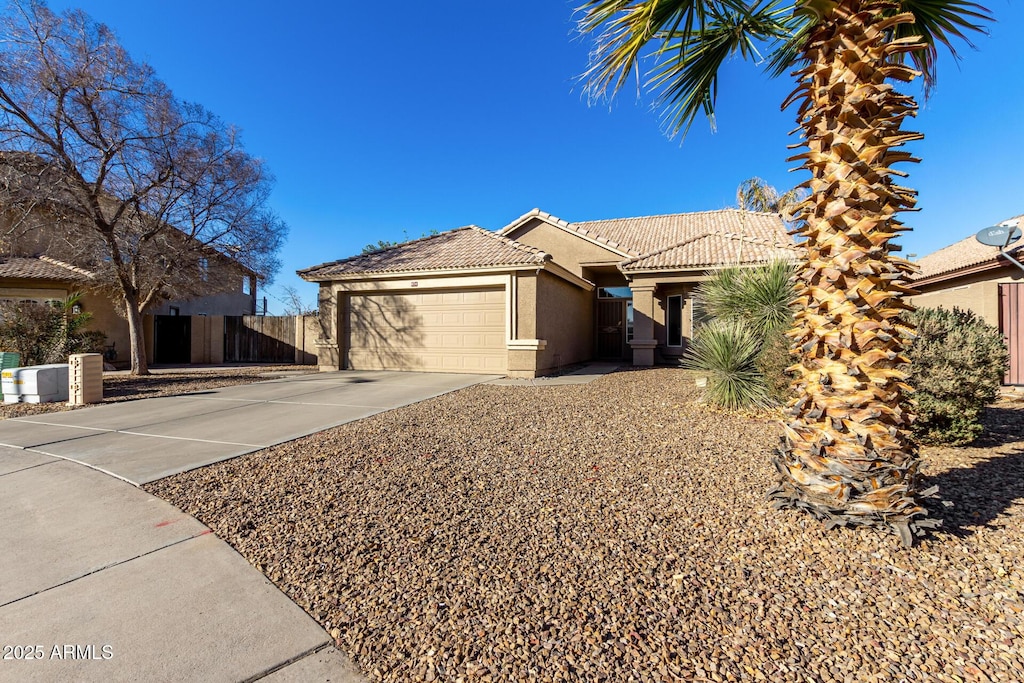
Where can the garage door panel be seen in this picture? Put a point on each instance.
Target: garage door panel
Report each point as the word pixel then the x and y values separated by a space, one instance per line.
pixel 442 331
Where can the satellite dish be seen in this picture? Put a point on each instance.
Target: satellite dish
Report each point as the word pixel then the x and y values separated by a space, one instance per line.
pixel 1000 236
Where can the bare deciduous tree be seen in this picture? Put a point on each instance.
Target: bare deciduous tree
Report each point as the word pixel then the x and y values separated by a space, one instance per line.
pixel 155 195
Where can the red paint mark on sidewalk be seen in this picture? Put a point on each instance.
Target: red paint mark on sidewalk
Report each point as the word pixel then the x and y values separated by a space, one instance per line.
pixel 165 523
pixel 208 531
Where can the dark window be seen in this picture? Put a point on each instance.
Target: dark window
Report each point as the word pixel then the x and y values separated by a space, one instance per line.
pixel 674 320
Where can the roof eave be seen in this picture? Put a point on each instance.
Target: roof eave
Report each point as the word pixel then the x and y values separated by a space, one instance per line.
pixel 991 264
pixel 423 272
pixel 563 225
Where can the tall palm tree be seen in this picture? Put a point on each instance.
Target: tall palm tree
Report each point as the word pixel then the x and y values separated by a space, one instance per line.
pixel 847 456
pixel 757 194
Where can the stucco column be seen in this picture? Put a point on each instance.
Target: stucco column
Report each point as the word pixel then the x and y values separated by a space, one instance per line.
pixel 643 343
pixel 327 348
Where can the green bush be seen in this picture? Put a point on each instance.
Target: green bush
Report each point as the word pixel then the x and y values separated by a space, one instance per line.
pixel 957 364
pixel 772 362
pixel 742 344
pixel 760 296
pixel 45 333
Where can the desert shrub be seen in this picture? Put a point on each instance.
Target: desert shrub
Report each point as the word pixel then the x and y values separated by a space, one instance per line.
pixel 772 362
pixel 957 364
pixel 46 333
pixel 742 341
pixel 727 350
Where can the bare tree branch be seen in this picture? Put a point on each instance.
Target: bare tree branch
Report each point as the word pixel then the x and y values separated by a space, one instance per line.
pixel 155 195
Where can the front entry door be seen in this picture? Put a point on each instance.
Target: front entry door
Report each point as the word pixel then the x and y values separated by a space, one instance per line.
pixel 611 329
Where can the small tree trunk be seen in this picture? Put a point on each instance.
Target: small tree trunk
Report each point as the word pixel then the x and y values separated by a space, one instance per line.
pixel 136 341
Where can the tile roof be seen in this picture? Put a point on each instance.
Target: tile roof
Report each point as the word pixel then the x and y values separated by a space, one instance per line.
pixel 709 250
pixel 642 235
pixel 468 247
pixel 41 268
pixel 966 253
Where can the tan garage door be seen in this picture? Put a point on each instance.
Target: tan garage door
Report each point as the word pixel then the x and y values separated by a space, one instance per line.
pixel 431 331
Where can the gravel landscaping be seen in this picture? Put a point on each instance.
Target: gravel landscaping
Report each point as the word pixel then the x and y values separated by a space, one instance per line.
pixel 124 387
pixel 616 531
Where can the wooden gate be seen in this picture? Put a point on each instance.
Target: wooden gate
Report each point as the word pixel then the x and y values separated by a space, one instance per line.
pixel 259 339
pixel 172 339
pixel 1011 317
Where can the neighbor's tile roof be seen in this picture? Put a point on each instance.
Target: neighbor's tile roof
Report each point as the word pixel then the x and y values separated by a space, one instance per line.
pixel 469 247
pixel 712 249
pixel 643 235
pixel 966 253
pixel 41 268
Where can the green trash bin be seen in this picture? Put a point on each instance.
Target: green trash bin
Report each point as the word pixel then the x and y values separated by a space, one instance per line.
pixel 8 359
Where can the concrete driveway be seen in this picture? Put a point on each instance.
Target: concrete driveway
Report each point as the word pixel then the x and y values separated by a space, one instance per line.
pixel 100 581
pixel 142 441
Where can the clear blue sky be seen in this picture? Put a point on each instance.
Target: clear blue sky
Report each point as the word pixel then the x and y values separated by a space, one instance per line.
pixel 389 120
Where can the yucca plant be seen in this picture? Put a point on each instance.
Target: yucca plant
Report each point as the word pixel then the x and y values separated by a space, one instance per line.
pixel 727 350
pixel 760 299
pixel 847 455
pixel 760 296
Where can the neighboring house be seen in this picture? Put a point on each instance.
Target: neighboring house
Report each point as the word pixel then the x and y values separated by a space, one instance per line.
pixel 42 278
pixel 45 280
pixel 35 242
pixel 972 276
pixel 540 294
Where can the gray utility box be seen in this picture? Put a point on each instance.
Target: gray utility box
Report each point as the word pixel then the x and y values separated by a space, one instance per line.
pixel 35 384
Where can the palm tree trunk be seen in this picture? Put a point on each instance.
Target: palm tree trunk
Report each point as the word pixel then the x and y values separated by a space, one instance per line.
pixel 847 456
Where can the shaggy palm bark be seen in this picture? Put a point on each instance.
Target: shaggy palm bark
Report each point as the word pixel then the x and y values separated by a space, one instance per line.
pixel 847 456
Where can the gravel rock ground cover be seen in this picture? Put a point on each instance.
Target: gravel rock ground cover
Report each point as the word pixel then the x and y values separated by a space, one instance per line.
pixel 123 387
pixel 616 531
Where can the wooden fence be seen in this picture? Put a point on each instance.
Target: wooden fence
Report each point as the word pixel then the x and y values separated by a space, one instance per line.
pixel 267 339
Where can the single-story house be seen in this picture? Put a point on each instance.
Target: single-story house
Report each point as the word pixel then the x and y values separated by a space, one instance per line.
pixel 537 295
pixel 972 276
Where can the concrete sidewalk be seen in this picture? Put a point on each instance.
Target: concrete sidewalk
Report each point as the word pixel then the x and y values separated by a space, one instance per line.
pixel 585 375
pixel 100 581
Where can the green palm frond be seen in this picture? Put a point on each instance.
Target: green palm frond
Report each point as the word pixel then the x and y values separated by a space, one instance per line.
pixel 623 28
pixel 940 22
pixel 693 40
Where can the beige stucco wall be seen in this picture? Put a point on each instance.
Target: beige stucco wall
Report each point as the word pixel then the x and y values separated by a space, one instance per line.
pixel 978 292
pixel 665 286
pixel 106 318
pixel 207 342
pixel 667 353
pixel 225 303
pixel 526 306
pixel 565 320
pixel 567 250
